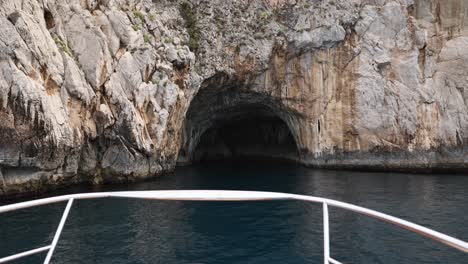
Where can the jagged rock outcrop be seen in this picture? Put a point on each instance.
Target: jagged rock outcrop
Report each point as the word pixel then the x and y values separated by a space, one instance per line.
pixel 117 90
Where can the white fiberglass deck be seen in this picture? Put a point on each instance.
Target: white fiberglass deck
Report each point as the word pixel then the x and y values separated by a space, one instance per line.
pixel 216 195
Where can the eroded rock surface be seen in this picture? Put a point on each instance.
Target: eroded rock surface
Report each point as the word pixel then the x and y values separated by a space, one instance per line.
pixel 115 90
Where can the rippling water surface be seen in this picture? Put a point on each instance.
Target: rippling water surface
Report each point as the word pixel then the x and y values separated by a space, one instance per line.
pixel 138 231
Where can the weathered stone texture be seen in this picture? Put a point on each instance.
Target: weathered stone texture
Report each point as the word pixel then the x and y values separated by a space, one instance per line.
pixel 100 90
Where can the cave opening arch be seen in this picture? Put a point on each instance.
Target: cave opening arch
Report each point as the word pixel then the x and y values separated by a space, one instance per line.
pixel 233 123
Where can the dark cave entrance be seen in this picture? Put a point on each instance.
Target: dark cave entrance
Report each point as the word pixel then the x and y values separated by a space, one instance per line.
pixel 247 137
pixel 232 125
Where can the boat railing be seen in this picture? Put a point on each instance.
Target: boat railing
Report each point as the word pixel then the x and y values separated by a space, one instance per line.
pixel 217 195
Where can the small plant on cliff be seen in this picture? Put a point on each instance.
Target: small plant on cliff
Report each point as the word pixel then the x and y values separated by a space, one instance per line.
pixel 155 82
pixel 264 17
pixel 191 23
pixel 147 38
pixel 219 23
pixel 281 29
pixel 136 27
pixel 64 47
pixel 238 48
pixel 139 15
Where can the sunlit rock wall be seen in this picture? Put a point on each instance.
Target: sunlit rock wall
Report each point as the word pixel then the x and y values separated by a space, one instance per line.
pixel 99 90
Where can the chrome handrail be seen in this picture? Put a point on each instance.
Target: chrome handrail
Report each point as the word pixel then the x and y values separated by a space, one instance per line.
pixel 218 195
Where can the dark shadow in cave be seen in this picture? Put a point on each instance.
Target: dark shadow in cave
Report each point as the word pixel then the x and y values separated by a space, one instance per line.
pixel 227 120
pixel 243 132
pixel 247 137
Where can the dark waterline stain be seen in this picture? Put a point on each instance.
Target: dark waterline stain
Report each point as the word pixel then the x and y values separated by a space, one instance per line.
pixel 138 231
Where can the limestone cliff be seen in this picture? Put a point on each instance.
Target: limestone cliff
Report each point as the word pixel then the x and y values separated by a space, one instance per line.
pixel 117 90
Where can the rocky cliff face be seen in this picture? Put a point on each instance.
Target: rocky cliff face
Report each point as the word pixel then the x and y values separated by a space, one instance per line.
pixel 117 90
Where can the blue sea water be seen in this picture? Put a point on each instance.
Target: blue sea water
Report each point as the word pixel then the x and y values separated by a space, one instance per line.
pixel 142 231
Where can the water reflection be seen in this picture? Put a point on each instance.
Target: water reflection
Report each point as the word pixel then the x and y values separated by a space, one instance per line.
pixel 138 231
